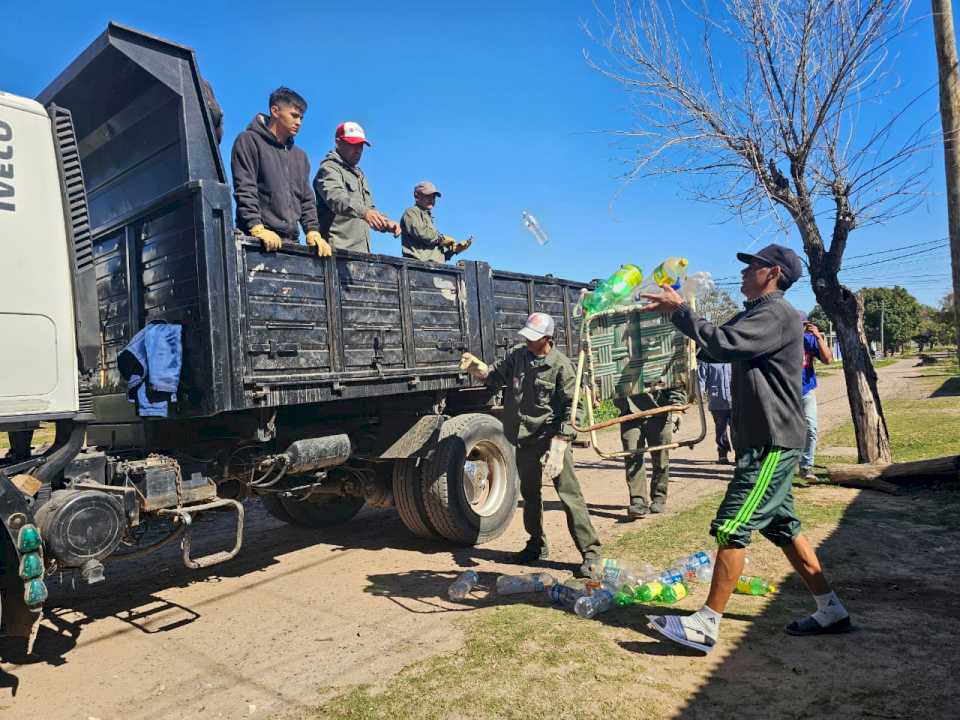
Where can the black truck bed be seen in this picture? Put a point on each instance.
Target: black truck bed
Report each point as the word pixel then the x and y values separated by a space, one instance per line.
pixel 260 329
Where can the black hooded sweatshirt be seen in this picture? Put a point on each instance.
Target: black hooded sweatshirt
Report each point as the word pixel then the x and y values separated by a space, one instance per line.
pixel 271 183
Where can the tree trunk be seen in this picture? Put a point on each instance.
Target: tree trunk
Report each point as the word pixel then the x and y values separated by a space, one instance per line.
pixel 950 119
pixel 870 427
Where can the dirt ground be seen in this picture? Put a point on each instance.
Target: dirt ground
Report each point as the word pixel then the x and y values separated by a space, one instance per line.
pixel 301 613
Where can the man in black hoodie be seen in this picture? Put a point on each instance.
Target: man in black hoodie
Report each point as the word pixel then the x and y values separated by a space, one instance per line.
pixel 764 343
pixel 271 177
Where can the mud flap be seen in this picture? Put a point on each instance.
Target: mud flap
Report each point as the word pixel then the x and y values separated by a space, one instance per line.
pixel 17 619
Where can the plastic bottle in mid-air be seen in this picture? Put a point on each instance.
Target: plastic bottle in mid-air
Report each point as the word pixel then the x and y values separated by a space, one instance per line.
pixel 531 224
pixel 615 290
pixel 462 586
pixel 753 585
pixel 531 582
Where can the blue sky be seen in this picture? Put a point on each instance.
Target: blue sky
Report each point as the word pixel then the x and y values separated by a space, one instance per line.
pixel 494 103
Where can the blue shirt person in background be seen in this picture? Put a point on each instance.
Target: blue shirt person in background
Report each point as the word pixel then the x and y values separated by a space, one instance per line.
pixel 814 348
pixel 715 386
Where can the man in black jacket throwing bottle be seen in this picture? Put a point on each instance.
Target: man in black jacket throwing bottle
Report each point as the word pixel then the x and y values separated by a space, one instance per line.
pixel 764 343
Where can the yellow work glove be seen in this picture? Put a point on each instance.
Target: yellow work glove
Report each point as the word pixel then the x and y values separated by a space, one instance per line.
pixel 315 239
pixel 461 246
pixel 553 459
pixel 448 241
pixel 271 241
pixel 470 363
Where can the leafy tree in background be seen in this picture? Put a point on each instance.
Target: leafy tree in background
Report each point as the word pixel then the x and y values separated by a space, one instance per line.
pixel 901 316
pixel 819 318
pixel 716 305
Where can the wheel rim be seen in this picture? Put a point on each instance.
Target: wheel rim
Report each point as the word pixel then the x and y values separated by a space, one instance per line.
pixel 485 478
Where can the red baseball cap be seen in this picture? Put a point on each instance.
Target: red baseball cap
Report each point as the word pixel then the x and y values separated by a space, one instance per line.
pixel 352 133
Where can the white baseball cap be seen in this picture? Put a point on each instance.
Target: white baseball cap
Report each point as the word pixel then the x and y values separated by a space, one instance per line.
pixel 538 325
pixel 352 133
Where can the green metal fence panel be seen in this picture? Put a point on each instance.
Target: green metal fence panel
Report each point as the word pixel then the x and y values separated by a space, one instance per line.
pixel 632 352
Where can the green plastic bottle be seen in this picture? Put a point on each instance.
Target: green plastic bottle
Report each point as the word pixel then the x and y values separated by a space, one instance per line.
pixel 672 593
pixel 752 585
pixel 649 591
pixel 615 290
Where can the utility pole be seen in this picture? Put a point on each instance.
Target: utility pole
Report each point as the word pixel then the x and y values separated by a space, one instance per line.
pixel 946 43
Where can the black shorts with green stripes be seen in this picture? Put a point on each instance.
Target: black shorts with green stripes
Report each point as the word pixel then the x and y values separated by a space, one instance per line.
pixel 759 497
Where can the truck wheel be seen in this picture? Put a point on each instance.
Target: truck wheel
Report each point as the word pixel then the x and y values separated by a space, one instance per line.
pixel 408 496
pixel 470 488
pixel 273 505
pixel 323 512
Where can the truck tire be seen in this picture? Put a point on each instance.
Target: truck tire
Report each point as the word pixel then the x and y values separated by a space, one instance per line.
pixel 408 497
pixel 323 512
pixel 471 504
pixel 273 505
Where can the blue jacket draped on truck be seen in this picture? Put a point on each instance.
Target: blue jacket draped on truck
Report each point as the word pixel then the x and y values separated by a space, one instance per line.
pixel 151 365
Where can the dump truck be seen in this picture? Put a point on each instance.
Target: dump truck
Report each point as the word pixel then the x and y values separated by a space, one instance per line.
pixel 317 385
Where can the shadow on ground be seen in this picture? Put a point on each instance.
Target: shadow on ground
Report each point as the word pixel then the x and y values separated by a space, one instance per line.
pixel 894 561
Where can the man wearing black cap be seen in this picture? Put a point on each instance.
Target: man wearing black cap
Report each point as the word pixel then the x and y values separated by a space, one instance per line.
pixel 764 343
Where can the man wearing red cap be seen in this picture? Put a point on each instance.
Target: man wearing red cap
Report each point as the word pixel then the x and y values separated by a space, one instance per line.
pixel 344 201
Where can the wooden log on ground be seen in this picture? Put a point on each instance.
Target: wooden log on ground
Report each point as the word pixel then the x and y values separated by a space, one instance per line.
pixel 888 476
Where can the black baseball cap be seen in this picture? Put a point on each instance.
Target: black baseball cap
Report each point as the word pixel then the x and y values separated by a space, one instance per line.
pixel 787 260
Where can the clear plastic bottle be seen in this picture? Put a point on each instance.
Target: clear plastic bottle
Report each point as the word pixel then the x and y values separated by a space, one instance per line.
pixel 753 585
pixel 670 576
pixel 627 573
pixel 462 586
pixel 528 583
pixel 695 567
pixel 589 606
pixel 672 272
pixel 531 224
pixel 615 290
pixel 562 594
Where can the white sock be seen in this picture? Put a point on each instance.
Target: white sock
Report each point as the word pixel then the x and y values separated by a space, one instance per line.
pixel 706 619
pixel 829 609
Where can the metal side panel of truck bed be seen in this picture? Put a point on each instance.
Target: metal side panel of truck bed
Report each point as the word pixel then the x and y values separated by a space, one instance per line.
pixel 261 329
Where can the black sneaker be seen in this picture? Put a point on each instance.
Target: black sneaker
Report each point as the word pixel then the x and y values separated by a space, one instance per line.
pixel 724 460
pixel 531 553
pixel 658 506
pixel 635 512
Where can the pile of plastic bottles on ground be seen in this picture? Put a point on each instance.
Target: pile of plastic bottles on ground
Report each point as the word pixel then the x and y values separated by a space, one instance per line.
pixel 612 583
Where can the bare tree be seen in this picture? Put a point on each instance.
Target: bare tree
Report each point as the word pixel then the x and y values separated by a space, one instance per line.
pixel 806 69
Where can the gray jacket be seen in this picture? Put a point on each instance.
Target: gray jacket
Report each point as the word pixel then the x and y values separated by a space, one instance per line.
pixel 343 198
pixel 764 344
pixel 271 183
pixel 419 238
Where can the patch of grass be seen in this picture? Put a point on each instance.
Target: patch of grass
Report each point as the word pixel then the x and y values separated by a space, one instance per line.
pixel 919 429
pixel 606 410
pixel 43 436
pixel 534 661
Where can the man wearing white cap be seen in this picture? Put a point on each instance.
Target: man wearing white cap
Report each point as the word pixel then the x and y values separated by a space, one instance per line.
pixel 344 201
pixel 538 382
pixel 419 238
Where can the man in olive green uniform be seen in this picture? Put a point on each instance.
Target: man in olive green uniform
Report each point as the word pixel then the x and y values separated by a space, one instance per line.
pixel 344 201
pixel 418 237
pixel 538 398
pixel 648 432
